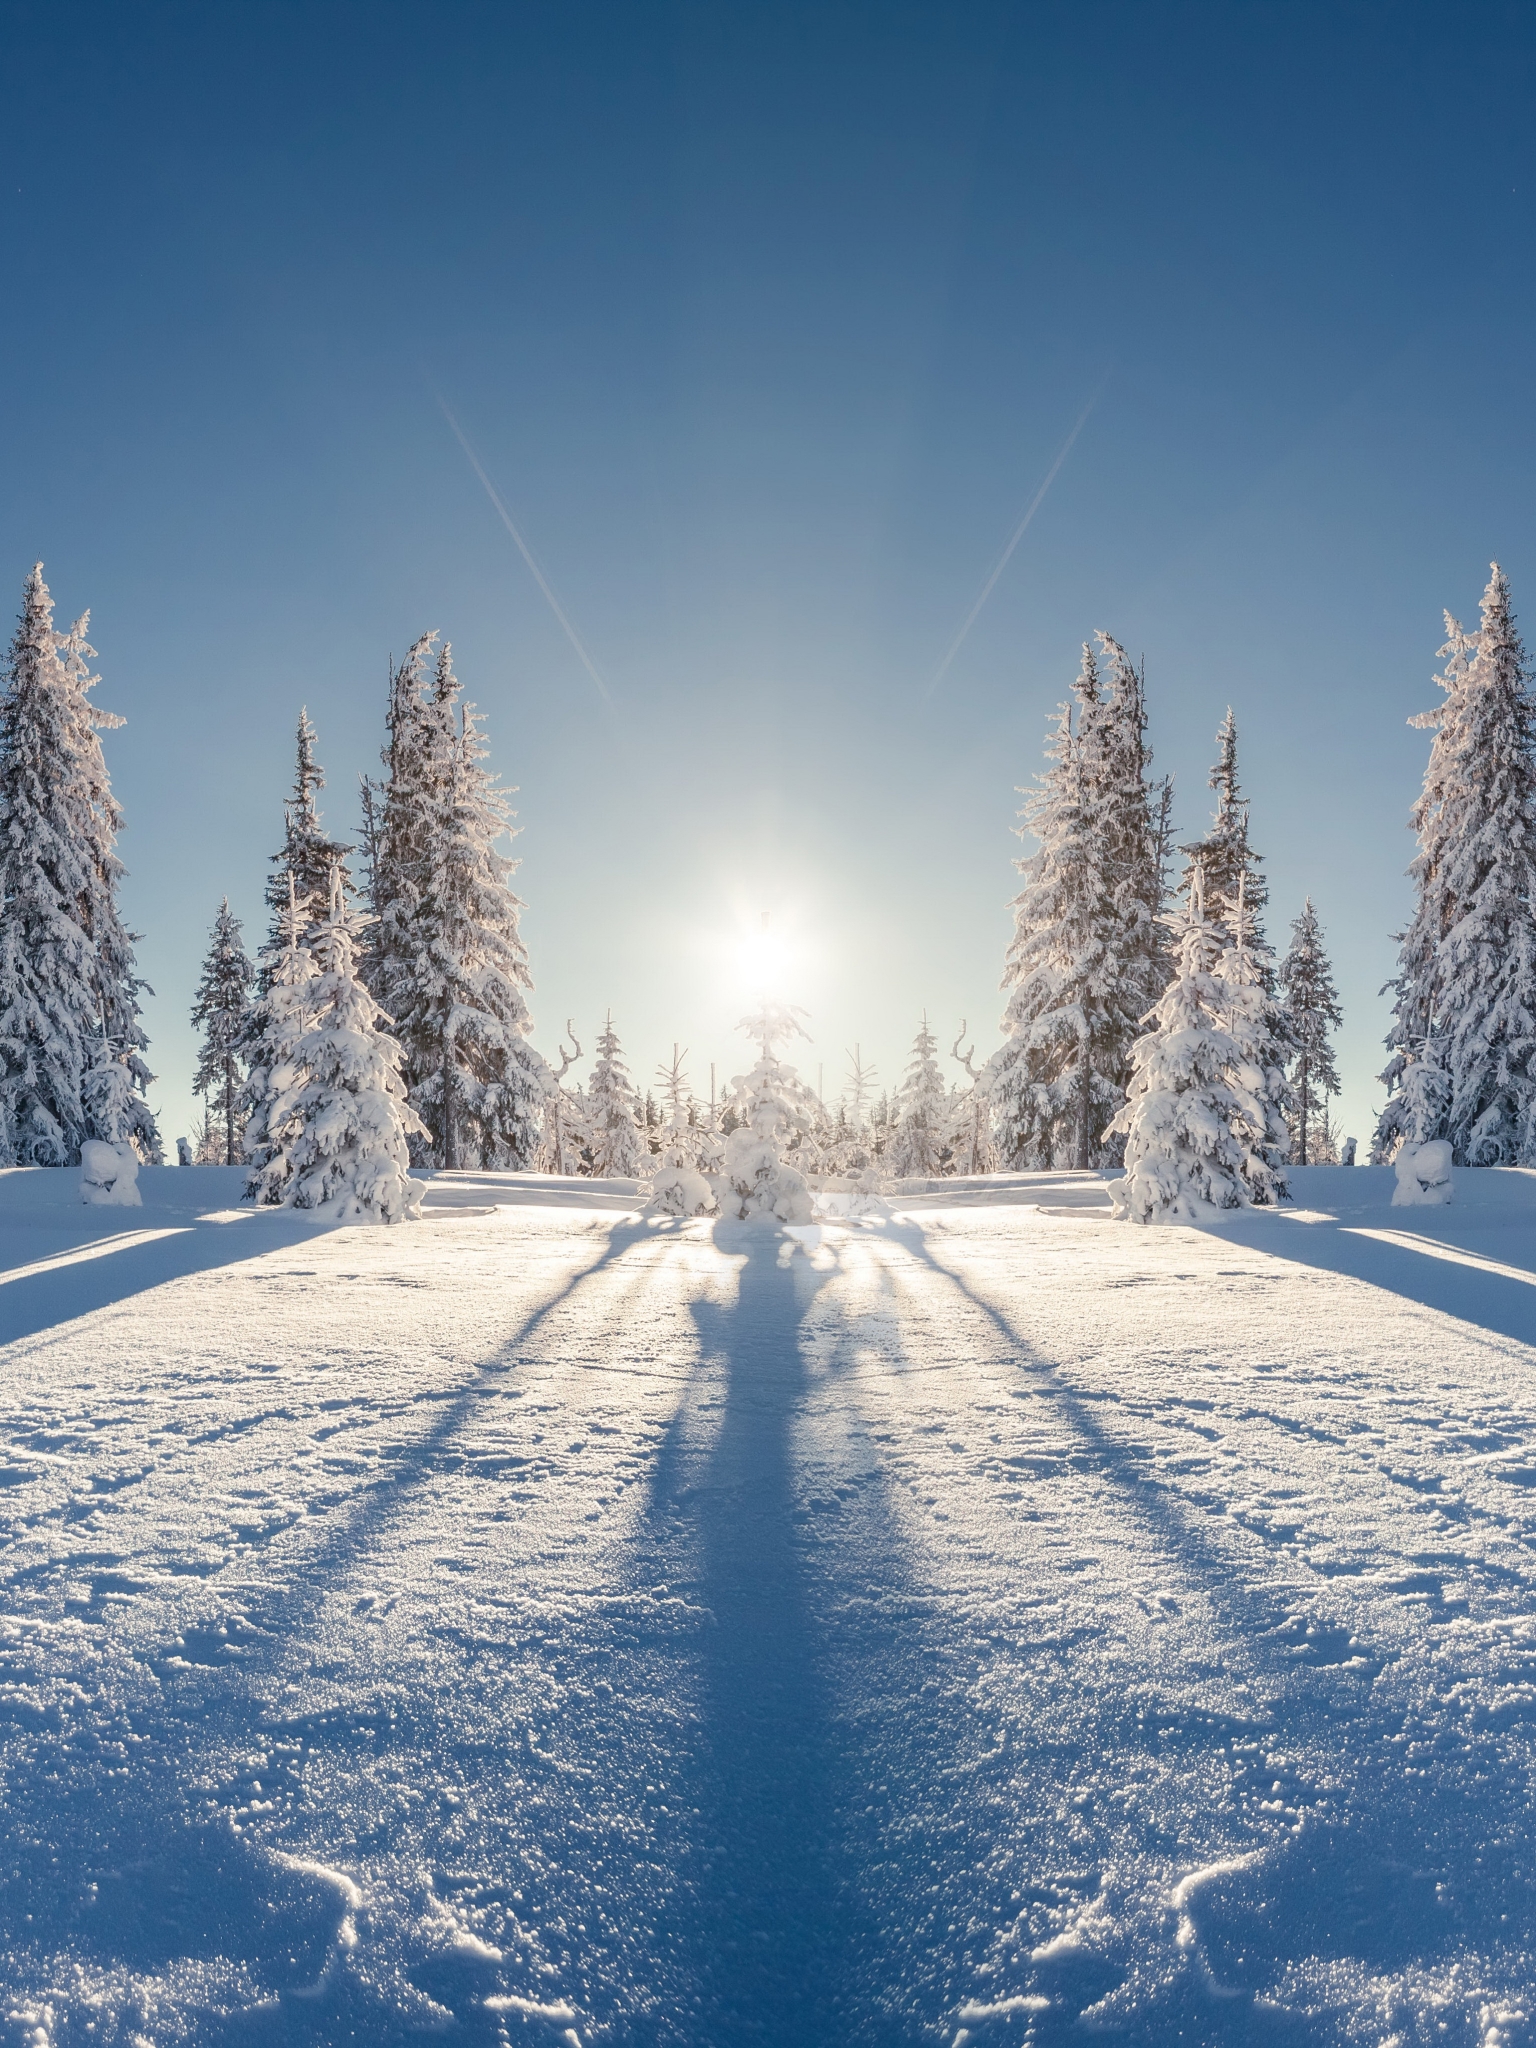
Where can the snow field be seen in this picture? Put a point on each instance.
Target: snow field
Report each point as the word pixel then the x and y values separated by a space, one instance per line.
pixel 987 1627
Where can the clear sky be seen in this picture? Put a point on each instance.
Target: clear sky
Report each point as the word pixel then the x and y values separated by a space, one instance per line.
pixel 767 323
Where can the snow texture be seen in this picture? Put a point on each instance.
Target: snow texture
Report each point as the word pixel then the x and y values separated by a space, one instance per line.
pixel 988 1626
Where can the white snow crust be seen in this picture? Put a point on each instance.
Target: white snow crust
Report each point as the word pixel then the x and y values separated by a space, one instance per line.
pixel 983 1624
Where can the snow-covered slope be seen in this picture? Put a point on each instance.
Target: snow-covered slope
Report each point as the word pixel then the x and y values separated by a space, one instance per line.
pixel 989 1626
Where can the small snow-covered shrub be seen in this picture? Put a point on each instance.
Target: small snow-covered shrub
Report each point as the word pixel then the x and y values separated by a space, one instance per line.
pixel 1423 1176
pixel 109 1176
pixel 680 1191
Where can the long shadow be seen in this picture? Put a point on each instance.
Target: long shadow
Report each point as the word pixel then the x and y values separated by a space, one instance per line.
pixel 1371 1867
pixel 773 1932
pixel 1494 1302
pixel 132 1872
pixel 47 1300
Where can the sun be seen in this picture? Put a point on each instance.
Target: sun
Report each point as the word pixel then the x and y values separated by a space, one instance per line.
pixel 762 959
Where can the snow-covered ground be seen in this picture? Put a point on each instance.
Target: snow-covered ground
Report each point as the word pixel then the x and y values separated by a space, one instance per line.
pixel 539 1623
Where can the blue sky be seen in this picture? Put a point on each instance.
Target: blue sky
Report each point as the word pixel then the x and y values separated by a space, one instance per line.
pixel 767 322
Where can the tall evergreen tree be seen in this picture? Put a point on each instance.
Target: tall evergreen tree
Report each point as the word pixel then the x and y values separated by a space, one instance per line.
pixel 307 854
pixel 615 1117
pixel 458 965
pixel 67 977
pixel 298 892
pixel 399 819
pixel 340 1105
pixel 920 1142
pixel 1228 864
pixel 1194 1099
pixel 1463 1036
pixel 1312 1005
pixel 272 1080
pixel 1261 1032
pixel 222 1009
pixel 1087 955
pixel 1235 893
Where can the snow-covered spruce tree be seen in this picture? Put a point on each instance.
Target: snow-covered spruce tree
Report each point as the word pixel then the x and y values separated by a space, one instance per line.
pixel 1312 1005
pixel 756 1184
pixel 339 1110
pixel 1465 1011
pixel 222 1009
pixel 1192 1094
pixel 1409 1040
pixel 1087 955
pixel 919 1144
pixel 307 857
pixel 1247 968
pixel 66 961
pixel 615 1128
pixel 1228 864
pixel 297 892
pixel 289 969
pixel 109 1096
pixel 398 814
pixel 678 1188
pixel 855 1144
pixel 457 965
pixel 1235 894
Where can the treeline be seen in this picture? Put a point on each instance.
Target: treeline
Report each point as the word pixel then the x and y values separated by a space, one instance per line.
pixel 384 1021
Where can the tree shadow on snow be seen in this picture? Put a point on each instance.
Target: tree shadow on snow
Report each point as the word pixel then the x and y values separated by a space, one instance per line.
pixel 1362 1889
pixel 109 1851
pixel 37 1302
pixel 1499 1303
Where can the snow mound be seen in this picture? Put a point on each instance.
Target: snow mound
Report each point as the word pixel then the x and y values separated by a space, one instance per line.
pixel 1423 1176
pixel 109 1176
pixel 680 1191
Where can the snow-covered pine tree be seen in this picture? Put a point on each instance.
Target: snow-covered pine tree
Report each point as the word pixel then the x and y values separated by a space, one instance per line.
pixel 676 1126
pixel 117 976
pixel 109 1096
pixel 859 1096
pixel 1228 864
pixel 340 1104
pixel 1192 1094
pixel 757 1185
pixel 66 961
pixel 1140 811
pixel 298 888
pixel 1312 1005
pixel 307 856
pixel 920 1142
pixel 1235 894
pixel 1464 1024
pixel 615 1126
pixel 399 819
pixel 273 1080
pixel 678 1186
pixel 1247 968
pixel 457 966
pixel 222 1008
pixel 1087 955
pixel 1409 1040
